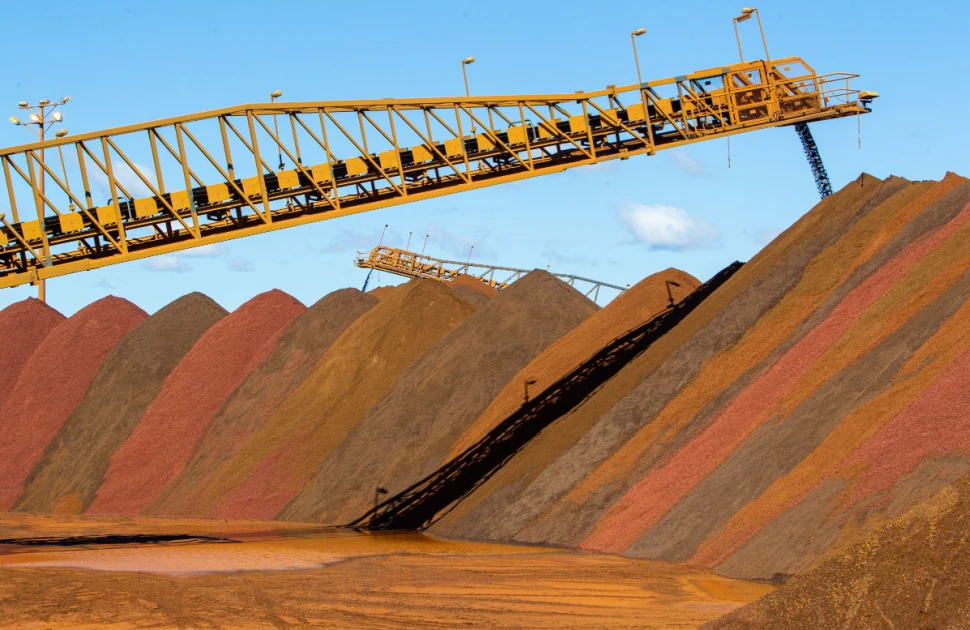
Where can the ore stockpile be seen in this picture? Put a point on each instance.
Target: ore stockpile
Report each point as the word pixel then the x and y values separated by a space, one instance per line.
pixel 762 427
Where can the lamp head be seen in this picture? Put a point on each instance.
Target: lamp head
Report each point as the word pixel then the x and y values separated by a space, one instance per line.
pixel 60 133
pixel 35 118
pixel 276 94
pixel 64 100
pixel 15 120
pixel 23 105
pixel 45 102
pixel 57 117
pixel 639 32
pixel 468 60
pixel 745 14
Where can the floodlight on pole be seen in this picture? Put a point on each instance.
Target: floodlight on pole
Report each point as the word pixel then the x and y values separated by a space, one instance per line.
pixel 275 94
pixel 636 58
pixel 746 14
pixel 643 93
pixel 464 62
pixel 44 118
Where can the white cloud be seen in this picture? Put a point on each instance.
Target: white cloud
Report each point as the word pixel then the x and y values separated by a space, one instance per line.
pixel 240 265
pixel 212 250
pixel 166 264
pixel 667 227
pixel 689 165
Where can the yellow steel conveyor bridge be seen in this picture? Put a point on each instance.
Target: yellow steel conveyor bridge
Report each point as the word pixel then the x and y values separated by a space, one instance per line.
pixel 408 264
pixel 203 178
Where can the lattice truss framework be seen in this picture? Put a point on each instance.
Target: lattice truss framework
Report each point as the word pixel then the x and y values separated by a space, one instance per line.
pixel 408 264
pixel 148 189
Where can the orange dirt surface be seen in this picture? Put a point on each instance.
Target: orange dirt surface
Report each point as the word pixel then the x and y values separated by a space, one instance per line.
pixel 338 580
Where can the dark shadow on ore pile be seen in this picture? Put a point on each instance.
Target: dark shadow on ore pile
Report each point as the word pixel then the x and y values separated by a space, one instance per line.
pixel 409 433
pixel 417 507
pixel 300 348
pixel 528 490
pixel 52 384
pixel 67 477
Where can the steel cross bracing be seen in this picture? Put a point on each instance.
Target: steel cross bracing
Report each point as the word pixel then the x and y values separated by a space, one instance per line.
pixel 402 262
pixel 165 186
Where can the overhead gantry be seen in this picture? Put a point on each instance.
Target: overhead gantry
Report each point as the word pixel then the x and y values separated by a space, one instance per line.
pixel 165 186
pixel 408 264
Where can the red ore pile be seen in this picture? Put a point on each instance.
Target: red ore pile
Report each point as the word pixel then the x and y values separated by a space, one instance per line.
pixel 158 448
pixel 23 326
pixel 53 382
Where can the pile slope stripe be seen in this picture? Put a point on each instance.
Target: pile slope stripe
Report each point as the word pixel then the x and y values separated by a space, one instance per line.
pixel 408 434
pixel 23 326
pixel 72 469
pixel 299 351
pixel 522 500
pixel 165 437
pixel 637 305
pixel 873 326
pixel 656 418
pixel 53 382
pixel 357 371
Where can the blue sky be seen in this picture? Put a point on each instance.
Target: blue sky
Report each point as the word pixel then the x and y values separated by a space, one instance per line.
pixel 124 62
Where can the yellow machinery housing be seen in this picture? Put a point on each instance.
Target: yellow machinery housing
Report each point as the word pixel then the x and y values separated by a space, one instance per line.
pixel 198 179
pixel 402 262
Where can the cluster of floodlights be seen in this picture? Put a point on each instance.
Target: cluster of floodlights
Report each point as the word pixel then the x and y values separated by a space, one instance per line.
pixel 43 118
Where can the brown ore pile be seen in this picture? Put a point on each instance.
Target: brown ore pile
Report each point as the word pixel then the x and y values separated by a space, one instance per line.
pixel 408 434
pixel 359 368
pixel 299 350
pixel 473 289
pixel 912 573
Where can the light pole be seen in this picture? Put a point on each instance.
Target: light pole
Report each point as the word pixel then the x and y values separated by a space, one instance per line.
pixel 636 58
pixel 44 118
pixel 643 92
pixel 464 62
pixel 279 151
pixel 746 15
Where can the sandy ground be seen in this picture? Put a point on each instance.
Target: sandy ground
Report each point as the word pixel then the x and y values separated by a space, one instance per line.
pixel 336 580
